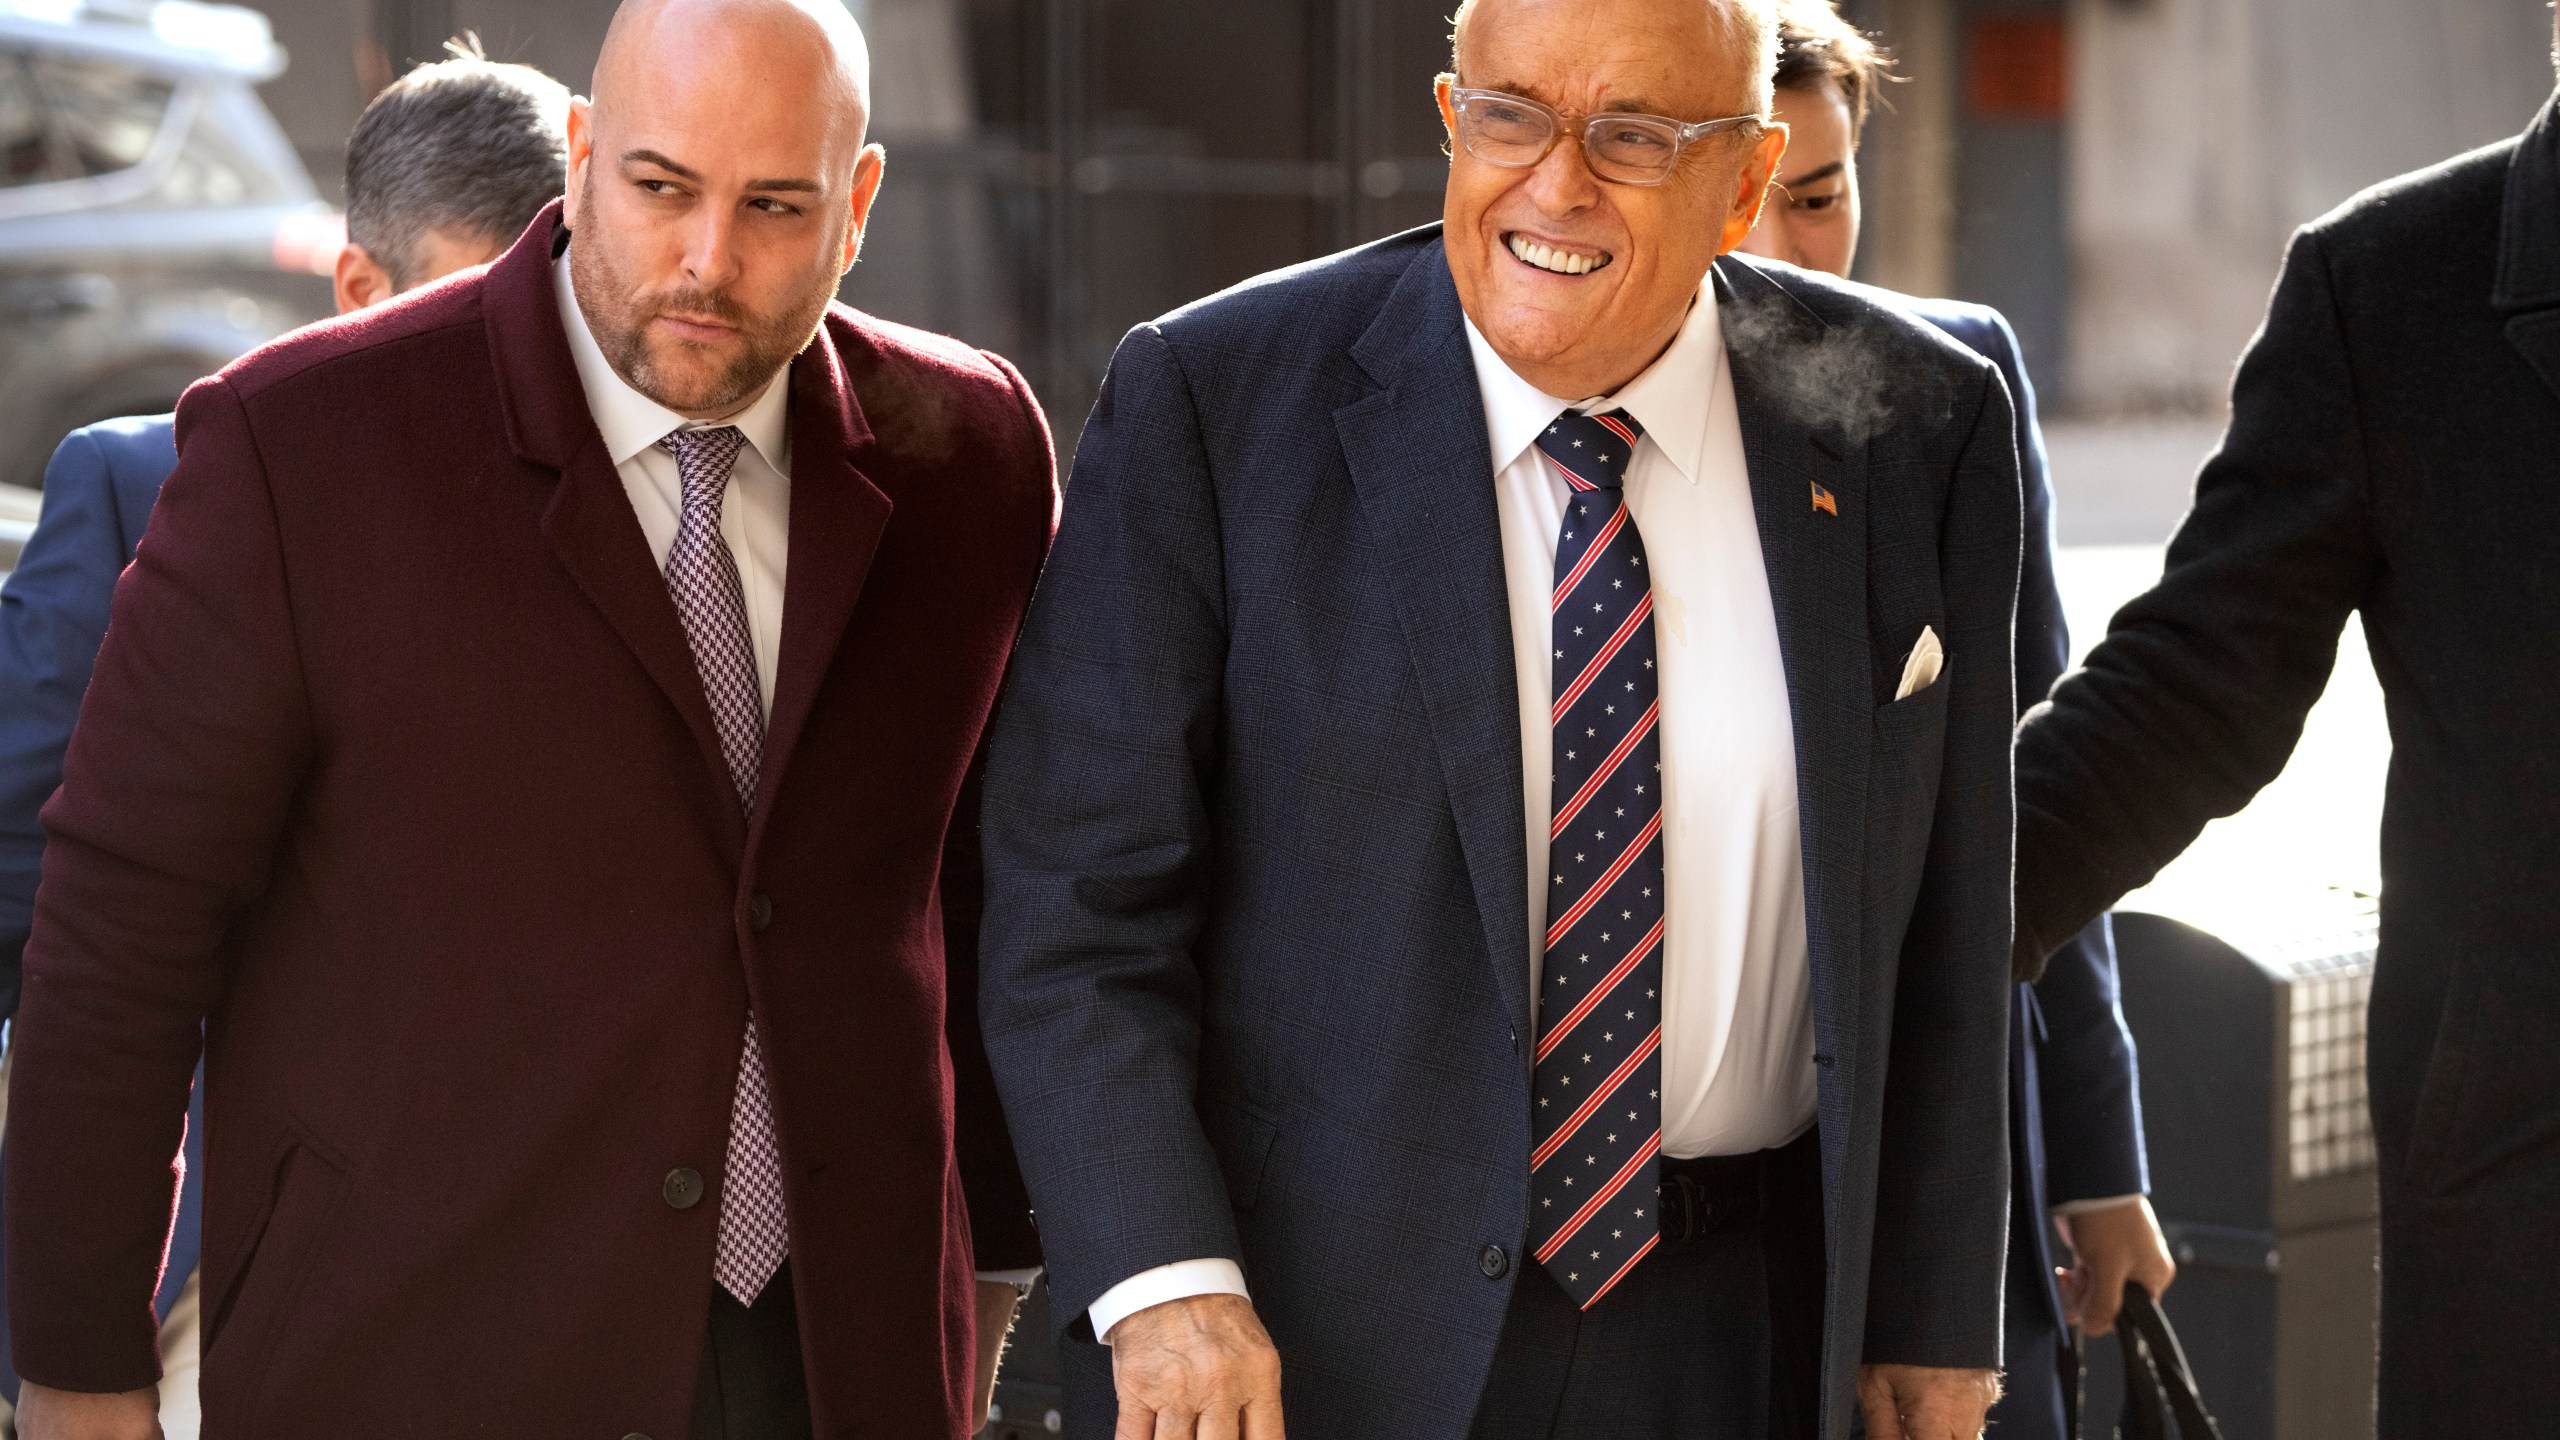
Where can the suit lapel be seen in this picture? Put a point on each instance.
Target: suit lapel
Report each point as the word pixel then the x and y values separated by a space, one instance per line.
pixel 837 517
pixel 1424 470
pixel 2529 249
pixel 589 523
pixel 1817 563
pixel 591 528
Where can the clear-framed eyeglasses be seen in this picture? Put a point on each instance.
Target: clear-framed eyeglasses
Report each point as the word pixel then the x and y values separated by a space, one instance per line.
pixel 1514 131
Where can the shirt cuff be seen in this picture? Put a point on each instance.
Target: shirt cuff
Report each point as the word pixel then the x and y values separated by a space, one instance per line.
pixel 1018 1279
pixel 1179 1281
pixel 2083 1207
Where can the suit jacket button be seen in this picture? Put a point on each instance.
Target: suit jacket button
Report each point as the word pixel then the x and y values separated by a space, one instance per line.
pixel 682 1189
pixel 760 911
pixel 1492 1261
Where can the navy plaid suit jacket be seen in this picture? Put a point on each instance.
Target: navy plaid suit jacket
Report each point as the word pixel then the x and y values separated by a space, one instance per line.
pixel 1255 947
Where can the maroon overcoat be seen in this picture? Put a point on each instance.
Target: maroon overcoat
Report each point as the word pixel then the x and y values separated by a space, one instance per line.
pixel 396 777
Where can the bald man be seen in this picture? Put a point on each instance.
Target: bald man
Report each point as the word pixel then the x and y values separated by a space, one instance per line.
pixel 542 805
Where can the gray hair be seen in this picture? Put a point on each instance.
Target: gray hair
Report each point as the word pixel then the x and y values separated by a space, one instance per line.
pixel 1751 25
pixel 464 146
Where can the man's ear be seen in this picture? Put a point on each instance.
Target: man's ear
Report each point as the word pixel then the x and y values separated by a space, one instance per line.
pixel 361 280
pixel 868 170
pixel 1751 191
pixel 1440 89
pixel 582 151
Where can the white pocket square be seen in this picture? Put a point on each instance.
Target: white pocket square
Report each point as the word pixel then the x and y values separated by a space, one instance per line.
pixel 1921 671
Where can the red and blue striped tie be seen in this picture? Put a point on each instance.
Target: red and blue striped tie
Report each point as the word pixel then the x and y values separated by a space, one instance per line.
pixel 1595 1176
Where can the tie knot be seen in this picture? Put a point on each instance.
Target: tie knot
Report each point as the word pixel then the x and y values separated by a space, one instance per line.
pixel 704 458
pixel 1593 451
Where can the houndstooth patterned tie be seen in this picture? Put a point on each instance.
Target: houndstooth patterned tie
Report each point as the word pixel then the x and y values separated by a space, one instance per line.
pixel 755 1232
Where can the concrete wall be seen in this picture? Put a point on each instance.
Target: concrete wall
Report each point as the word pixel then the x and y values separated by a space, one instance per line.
pixel 2204 131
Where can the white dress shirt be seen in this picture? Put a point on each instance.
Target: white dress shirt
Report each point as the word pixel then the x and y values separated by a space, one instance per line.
pixel 1737 1002
pixel 755 518
pixel 1737 991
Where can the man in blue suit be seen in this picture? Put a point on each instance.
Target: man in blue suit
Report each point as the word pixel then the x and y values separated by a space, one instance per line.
pixel 2075 1111
pixel 1498 832
pixel 444 169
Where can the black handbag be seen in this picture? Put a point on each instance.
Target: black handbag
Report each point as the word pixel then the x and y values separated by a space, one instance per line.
pixel 2158 1386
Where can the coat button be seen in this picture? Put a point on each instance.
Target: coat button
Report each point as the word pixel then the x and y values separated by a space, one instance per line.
pixel 682 1189
pixel 1492 1261
pixel 760 911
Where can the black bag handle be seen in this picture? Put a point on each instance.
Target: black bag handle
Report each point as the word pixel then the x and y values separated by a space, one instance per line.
pixel 2157 1381
pixel 2169 1361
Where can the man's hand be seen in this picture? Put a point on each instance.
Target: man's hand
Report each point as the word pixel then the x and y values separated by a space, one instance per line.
pixel 1918 1402
pixel 2108 1247
pixel 1196 1369
pixel 997 1300
pixel 74 1415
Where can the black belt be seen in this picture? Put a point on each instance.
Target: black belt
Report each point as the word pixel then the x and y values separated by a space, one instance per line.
pixel 1711 1195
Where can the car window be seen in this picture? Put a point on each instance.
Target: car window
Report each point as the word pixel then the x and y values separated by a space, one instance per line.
pixel 108 114
pixel 26 152
pixel 211 173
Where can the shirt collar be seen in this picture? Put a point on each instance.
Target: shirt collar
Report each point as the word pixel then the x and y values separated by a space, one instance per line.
pixel 631 422
pixel 1672 399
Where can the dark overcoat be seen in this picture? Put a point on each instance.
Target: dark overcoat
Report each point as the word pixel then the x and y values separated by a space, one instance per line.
pixel 2394 452
pixel 396 787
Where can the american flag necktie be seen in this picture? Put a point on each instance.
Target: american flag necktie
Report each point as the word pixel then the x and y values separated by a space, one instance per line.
pixel 755 1231
pixel 1595 1176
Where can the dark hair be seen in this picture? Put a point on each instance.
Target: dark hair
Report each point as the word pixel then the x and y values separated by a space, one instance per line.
pixel 464 145
pixel 1817 47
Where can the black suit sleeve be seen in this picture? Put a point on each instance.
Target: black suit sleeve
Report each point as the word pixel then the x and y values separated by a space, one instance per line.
pixel 1942 1189
pixel 1098 839
pixel 2194 701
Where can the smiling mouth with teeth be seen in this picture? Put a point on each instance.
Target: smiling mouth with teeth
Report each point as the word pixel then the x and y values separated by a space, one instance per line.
pixel 1553 260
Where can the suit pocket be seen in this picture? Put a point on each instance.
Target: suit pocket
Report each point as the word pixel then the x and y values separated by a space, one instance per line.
pixel 1910 739
pixel 1902 794
pixel 258 1298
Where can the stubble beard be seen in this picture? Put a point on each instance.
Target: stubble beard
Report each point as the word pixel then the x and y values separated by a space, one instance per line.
pixel 648 361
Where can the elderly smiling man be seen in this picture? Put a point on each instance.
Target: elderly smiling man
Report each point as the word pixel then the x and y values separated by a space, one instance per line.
pixel 1498 834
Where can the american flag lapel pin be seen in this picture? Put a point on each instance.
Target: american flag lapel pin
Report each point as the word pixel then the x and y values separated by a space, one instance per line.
pixel 1823 502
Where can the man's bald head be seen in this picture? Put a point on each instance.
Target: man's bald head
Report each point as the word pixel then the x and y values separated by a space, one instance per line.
pixel 812 48
pixel 718 188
